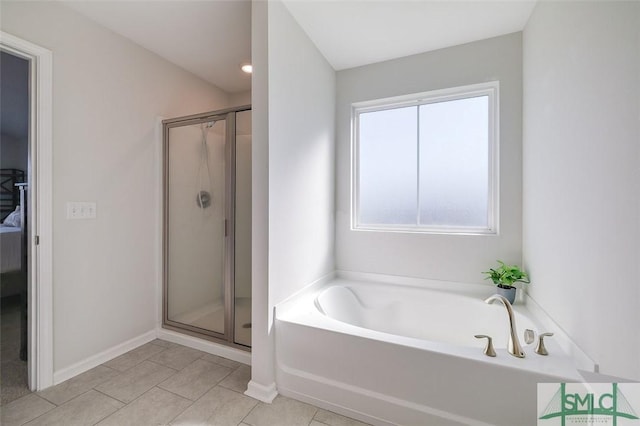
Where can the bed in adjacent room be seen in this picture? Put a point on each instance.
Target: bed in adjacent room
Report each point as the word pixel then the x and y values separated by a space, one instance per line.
pixel 10 247
pixel 10 232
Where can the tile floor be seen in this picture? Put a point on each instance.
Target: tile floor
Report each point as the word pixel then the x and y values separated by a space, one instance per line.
pixel 161 383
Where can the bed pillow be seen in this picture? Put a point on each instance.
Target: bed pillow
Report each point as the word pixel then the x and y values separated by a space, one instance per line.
pixel 14 218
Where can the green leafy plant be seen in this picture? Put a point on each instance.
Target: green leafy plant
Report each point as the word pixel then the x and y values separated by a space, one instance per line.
pixel 506 275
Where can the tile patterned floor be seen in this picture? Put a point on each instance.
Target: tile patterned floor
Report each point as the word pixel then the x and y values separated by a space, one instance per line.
pixel 162 383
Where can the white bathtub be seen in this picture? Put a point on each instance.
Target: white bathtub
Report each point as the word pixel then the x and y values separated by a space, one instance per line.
pixel 393 354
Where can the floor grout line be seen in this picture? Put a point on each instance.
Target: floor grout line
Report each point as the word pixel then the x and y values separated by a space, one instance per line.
pixel 250 411
pixel 107 395
pixel 162 365
pixel 48 411
pixel 312 417
pixel 42 397
pixel 108 415
pixel 193 401
pixel 185 408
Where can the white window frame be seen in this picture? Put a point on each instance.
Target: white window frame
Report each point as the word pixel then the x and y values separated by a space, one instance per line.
pixel 490 89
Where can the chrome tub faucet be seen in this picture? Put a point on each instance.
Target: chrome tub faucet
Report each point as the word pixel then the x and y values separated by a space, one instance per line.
pixel 514 344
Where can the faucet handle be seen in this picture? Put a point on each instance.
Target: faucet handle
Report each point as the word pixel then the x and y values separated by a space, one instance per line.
pixel 529 336
pixel 488 350
pixel 541 349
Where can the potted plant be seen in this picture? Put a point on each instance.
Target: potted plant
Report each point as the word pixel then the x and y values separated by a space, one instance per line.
pixel 504 277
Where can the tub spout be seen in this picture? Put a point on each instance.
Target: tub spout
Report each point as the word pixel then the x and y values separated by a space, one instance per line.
pixel 514 344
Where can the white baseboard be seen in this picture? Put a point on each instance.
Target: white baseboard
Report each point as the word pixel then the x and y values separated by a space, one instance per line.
pixel 238 355
pixel 104 356
pixel 262 393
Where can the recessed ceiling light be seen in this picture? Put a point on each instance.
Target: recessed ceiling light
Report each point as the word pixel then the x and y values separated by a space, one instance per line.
pixel 248 68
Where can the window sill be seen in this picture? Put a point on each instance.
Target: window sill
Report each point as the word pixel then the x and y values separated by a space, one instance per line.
pixel 428 231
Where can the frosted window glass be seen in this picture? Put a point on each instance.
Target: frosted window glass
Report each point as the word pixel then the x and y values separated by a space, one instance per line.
pixel 388 175
pixel 454 163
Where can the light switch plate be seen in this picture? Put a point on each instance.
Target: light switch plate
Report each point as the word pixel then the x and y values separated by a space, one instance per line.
pixel 81 210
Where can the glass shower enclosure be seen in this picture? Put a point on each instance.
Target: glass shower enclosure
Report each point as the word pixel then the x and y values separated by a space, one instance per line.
pixel 207 225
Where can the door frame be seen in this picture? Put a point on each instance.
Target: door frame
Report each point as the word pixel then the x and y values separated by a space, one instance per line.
pixel 40 214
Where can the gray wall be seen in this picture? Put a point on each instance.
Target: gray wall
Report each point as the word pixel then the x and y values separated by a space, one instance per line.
pixel 108 93
pixel 14 152
pixel 301 158
pixel 581 175
pixel 262 347
pixel 14 112
pixel 445 257
pixel 293 170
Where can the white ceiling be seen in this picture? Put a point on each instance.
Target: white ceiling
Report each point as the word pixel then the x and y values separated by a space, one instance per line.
pixel 355 33
pixel 212 38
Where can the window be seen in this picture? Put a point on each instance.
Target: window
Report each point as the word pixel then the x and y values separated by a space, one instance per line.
pixel 428 162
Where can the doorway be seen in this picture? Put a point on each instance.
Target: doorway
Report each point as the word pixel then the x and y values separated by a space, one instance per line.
pixel 14 177
pixel 207 226
pixel 32 191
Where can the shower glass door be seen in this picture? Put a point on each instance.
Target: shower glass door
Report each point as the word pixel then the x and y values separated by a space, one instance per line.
pixel 196 205
pixel 207 225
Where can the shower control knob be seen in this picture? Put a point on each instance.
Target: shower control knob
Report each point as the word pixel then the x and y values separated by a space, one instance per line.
pixel 203 199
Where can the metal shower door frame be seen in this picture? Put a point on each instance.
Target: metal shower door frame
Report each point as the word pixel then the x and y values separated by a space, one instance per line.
pixel 229 115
